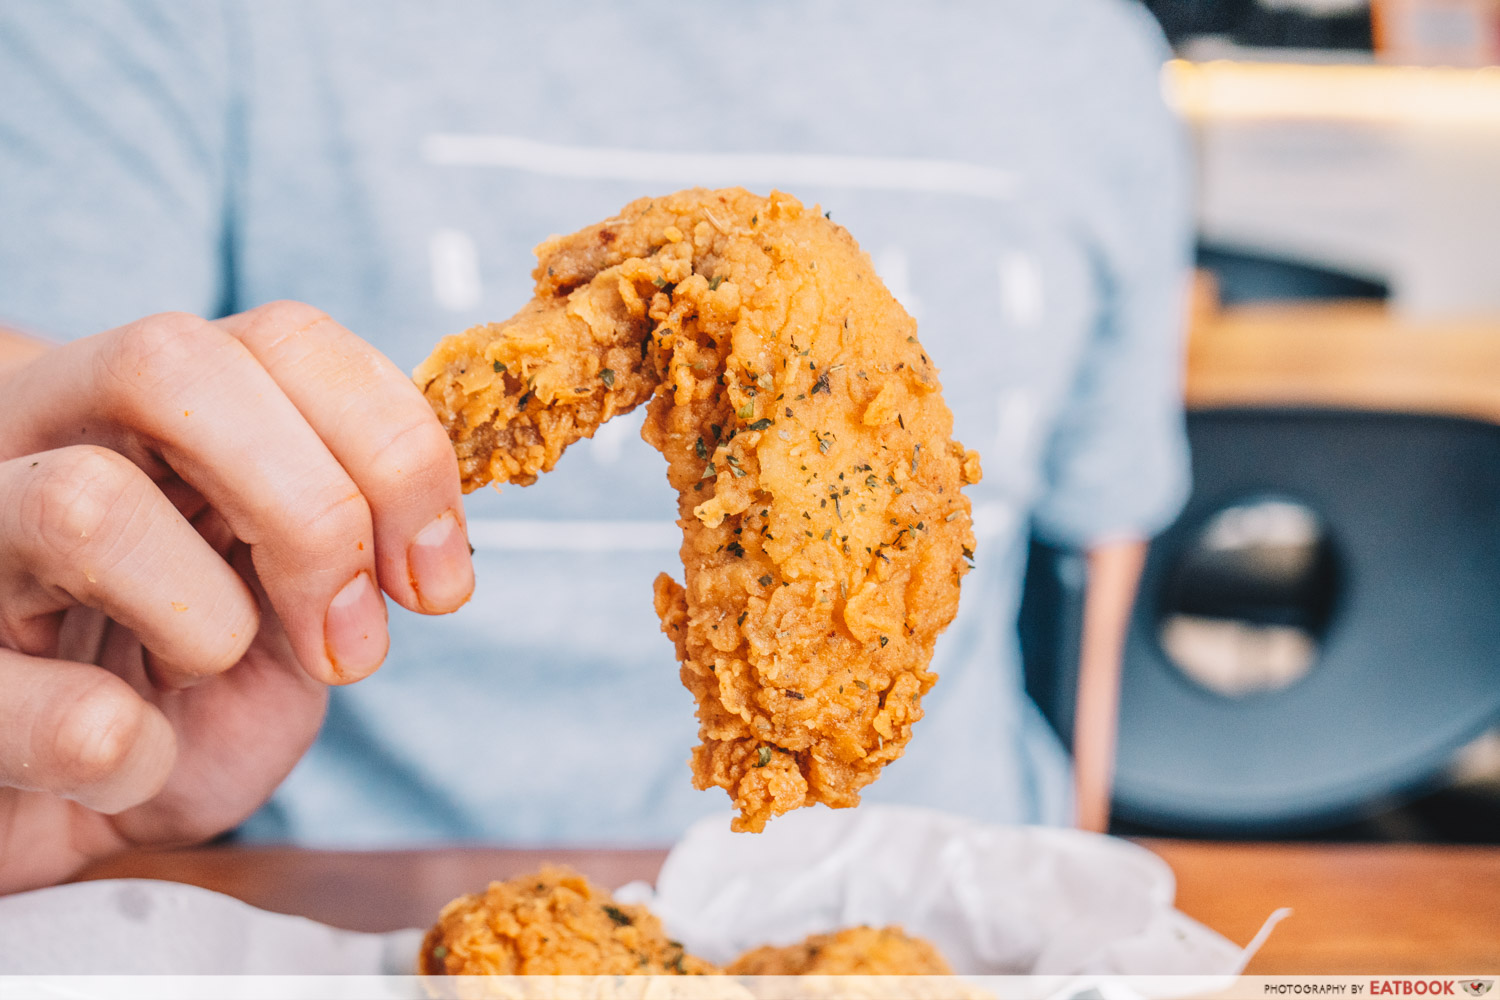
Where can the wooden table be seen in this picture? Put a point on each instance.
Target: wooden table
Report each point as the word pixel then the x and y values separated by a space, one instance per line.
pixel 1358 908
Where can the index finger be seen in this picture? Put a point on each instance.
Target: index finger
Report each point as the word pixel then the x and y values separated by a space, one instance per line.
pixel 385 435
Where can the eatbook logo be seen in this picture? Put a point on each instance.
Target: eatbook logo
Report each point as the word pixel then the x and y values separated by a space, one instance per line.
pixel 1477 987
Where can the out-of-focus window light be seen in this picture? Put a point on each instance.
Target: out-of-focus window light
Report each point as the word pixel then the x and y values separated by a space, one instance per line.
pixel 1224 90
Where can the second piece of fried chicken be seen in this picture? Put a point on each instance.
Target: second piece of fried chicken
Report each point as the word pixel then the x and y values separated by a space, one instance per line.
pixel 824 531
pixel 853 951
pixel 552 923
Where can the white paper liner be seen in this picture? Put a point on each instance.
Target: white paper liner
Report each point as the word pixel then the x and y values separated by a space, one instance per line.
pixel 997 901
pixel 142 927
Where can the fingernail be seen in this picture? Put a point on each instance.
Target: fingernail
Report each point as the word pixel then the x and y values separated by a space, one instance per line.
pixel 442 573
pixel 166 678
pixel 355 630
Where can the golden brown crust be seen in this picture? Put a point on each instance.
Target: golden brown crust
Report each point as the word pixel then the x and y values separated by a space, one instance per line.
pixel 551 923
pixel 853 951
pixel 804 428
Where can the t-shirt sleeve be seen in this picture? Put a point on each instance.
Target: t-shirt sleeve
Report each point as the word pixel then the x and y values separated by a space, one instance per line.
pixel 1116 464
pixel 114 140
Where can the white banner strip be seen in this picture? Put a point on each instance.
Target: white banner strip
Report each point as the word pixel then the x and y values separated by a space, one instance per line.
pixel 516 535
pixel 720 169
pixel 535 535
pixel 1054 987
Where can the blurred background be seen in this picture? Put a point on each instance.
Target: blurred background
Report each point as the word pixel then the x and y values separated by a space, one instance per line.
pixel 1316 647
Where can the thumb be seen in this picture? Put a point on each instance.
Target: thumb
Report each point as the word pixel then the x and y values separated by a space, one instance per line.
pixel 80 732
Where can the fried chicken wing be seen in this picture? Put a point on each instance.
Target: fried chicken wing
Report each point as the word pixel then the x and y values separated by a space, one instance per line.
pixel 555 923
pixel 824 531
pixel 853 951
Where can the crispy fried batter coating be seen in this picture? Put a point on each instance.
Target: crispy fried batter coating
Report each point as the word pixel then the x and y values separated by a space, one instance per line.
pixel 853 951
pixel 824 532
pixel 554 923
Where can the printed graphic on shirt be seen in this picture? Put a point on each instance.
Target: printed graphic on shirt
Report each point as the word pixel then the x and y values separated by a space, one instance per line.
pixel 950 239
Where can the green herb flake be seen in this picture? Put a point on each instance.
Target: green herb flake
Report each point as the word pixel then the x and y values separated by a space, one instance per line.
pixel 821 385
pixel 736 548
pixel 862 685
pixel 619 916
pixel 745 412
pixel 713 286
pixel 440 952
pixel 525 398
pixel 499 367
pixel 763 757
pixel 871 481
pixel 883 641
pixel 661 282
pixel 824 444
pixel 916 453
pixel 700 449
pixel 760 424
pixel 741 619
pixel 607 376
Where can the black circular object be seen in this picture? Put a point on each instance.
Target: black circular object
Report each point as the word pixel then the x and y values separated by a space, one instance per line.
pixel 1408 667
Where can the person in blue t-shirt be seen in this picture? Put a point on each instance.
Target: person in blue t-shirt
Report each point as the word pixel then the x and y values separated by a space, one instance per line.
pixel 227 229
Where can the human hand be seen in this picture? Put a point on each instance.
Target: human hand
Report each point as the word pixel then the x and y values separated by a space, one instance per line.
pixel 197 520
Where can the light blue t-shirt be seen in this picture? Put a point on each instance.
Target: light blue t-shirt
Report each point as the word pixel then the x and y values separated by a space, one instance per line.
pixel 1008 164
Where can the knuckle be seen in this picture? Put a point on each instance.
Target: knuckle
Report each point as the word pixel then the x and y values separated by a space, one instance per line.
pixel 413 459
pixel 288 315
pixel 332 523
pixel 158 350
pixel 76 497
pixel 155 342
pixel 94 732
